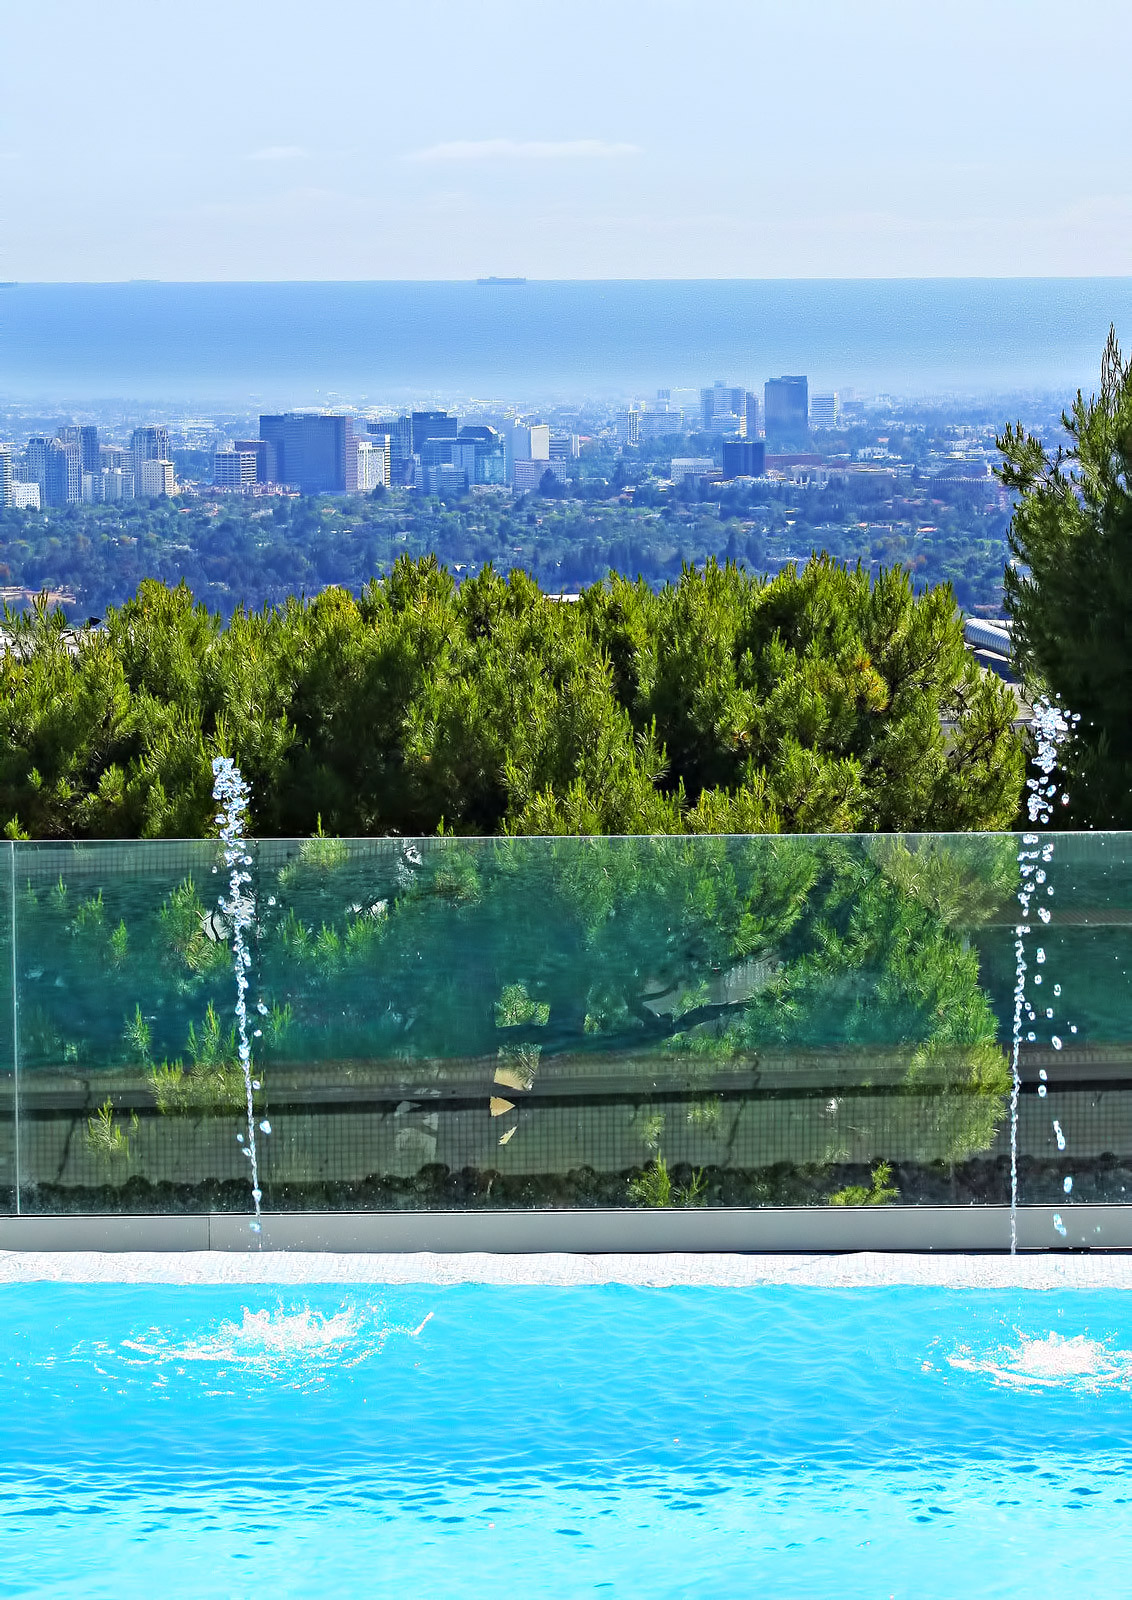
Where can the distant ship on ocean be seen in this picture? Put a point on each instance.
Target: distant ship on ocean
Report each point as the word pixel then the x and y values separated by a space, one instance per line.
pixel 502 283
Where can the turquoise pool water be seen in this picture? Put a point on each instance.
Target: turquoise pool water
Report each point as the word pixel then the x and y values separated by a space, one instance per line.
pixel 513 1442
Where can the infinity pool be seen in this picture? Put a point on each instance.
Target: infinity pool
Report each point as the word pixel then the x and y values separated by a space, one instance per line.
pixel 520 1442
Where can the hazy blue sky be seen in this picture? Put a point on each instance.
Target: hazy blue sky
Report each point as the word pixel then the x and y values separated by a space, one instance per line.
pixel 600 138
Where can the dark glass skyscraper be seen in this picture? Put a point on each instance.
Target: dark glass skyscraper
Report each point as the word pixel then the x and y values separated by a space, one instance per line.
pixel 88 444
pixel 433 425
pixel 743 458
pixel 310 451
pixel 786 410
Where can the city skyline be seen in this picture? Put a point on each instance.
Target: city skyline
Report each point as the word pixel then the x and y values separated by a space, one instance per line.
pixel 868 141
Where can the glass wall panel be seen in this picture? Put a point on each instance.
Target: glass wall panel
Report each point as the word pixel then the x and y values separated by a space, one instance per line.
pixel 1075 1109
pixel 608 1022
pixel 9 1153
pixel 569 1022
pixel 129 1089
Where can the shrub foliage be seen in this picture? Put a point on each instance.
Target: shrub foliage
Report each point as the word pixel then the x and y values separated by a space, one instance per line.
pixel 819 701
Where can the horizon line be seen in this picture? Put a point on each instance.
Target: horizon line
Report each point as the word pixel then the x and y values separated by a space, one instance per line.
pixel 36 283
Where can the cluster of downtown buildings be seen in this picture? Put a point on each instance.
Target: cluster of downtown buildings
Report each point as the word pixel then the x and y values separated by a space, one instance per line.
pixel 327 453
pixel 785 414
pixel 74 465
pixel 344 453
pixel 321 453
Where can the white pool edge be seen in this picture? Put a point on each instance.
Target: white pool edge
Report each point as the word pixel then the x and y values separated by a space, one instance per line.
pixel 866 1269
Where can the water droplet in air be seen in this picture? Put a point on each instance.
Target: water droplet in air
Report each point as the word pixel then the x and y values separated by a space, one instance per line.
pixel 1068 1185
pixel 1056 1042
pixel 1059 1225
pixel 1042 1091
pixel 265 1127
pixel 1043 1074
pixel 1057 988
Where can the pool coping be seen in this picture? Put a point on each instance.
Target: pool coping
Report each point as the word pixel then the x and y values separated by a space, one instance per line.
pixel 857 1270
pixel 769 1230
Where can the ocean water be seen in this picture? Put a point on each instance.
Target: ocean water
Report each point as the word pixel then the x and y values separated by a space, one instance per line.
pixel 474 1441
pixel 280 344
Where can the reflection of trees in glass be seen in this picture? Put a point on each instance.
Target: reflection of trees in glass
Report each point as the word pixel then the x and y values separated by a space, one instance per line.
pixel 684 957
pixel 694 962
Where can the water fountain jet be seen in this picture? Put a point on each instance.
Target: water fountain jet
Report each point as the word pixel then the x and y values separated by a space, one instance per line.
pixel 231 794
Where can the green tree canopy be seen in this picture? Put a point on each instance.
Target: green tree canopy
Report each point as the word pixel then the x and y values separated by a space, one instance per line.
pixel 1071 595
pixel 820 701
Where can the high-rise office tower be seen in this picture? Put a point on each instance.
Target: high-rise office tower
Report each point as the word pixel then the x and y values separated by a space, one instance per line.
pixel 743 458
pixel 271 431
pixel 528 442
pixel 35 459
pixel 234 469
pixel 752 412
pixel 88 444
pixel 399 431
pixel 155 479
pixel 659 424
pixel 261 450
pixel 310 450
pixel 148 444
pixel 786 410
pixel 432 425
pixel 116 484
pixel 629 428
pixel 722 407
pixel 565 446
pixel 436 452
pixel 825 410
pixel 63 473
pixel 523 442
pixel 488 462
pixel 372 471
pixel 115 473
pixel 5 474
pixel 367 461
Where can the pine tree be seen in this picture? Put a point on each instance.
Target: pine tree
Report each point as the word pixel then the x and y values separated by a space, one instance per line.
pixel 1070 590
